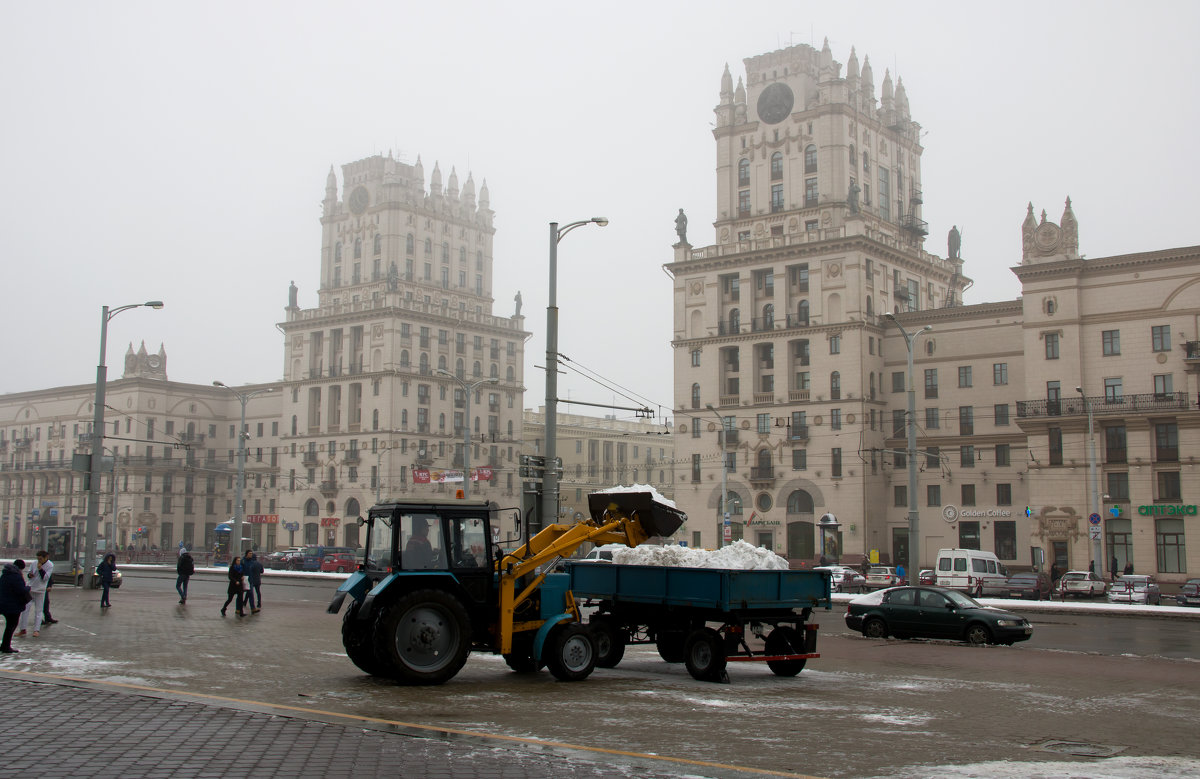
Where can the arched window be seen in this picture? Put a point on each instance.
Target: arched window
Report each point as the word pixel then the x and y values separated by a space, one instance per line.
pixel 853 155
pixel 735 320
pixel 312 508
pixel 764 461
pixel 357 248
pixel 458 368
pixel 509 376
pixel 424 362
pixel 810 159
pixel 403 358
pixel 802 313
pixel 800 502
pixel 337 252
pixel 378 243
pixel 495 374
pixel 735 504
pixel 743 173
pixel 695 396
pixel 777 166
pixel 441 362
pixel 835 386
pixel 428 247
pixel 408 244
pixel 769 316
pixel 352 509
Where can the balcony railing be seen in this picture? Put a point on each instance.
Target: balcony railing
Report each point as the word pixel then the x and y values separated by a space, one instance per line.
pixel 351 456
pixel 731 437
pixel 798 433
pixel 1126 404
pixel 762 473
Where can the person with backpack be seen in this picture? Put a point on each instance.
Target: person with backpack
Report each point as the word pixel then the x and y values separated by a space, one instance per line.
pixel 184 569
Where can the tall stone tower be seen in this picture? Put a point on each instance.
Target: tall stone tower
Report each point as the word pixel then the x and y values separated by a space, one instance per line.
pixel 375 375
pixel 778 324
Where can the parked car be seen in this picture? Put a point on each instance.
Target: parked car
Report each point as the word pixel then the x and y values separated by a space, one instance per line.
pixel 309 558
pixel 339 562
pixel 1189 593
pixel 77 574
pixel 933 612
pixel 927 576
pixel 1134 588
pixel 880 576
pixel 1029 585
pixel 844 578
pixel 1081 584
pixel 280 560
pixel 971 571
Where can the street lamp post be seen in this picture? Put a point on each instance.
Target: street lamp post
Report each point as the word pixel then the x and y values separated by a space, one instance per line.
pixel 467 390
pixel 913 517
pixel 93 513
pixel 1094 483
pixel 549 508
pixel 724 475
pixel 239 506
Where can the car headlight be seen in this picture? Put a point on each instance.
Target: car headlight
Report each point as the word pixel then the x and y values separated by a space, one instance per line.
pixel 1008 623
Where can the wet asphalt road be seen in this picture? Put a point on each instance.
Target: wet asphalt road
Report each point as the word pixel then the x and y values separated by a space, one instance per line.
pixel 865 708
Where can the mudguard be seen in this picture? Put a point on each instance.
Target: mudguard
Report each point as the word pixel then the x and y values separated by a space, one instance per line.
pixel 539 640
pixel 355 585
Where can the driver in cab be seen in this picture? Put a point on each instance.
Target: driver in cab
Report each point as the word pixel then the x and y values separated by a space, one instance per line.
pixel 418 552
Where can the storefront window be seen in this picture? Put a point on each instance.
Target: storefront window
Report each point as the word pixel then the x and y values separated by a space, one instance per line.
pixel 968 535
pixel 1172 557
pixel 1006 539
pixel 1119 533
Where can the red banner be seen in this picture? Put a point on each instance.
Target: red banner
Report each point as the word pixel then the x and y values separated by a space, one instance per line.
pixel 330 521
pixel 262 519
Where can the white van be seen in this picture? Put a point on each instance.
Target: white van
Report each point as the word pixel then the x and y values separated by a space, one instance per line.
pixel 971 571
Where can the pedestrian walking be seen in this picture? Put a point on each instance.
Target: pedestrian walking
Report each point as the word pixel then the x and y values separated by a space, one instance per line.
pixel 184 569
pixel 253 571
pixel 236 583
pixel 106 570
pixel 31 618
pixel 46 618
pixel 14 595
pixel 1129 568
pixel 1113 568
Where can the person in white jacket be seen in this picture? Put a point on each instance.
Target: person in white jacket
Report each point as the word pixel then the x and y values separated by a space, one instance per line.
pixel 39 578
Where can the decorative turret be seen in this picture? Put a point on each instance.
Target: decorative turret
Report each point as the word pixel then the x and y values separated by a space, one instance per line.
pixel 902 100
pixel 852 69
pixel 1070 229
pixel 1047 242
pixel 739 103
pixel 889 99
pixel 330 200
pixel 435 181
pixel 826 64
pixel 419 173
pixel 469 191
pixel 452 190
pixel 726 86
pixel 484 198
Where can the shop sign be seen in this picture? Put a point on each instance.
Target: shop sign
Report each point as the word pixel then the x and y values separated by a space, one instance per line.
pixel 330 521
pixel 262 519
pixel 1167 510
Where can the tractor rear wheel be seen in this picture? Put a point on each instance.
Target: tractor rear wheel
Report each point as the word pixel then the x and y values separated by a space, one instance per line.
pixel 610 642
pixel 784 640
pixel 570 652
pixel 426 637
pixel 704 655
pixel 358 639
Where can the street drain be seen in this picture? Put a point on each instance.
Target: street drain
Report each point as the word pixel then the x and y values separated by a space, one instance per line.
pixel 1078 748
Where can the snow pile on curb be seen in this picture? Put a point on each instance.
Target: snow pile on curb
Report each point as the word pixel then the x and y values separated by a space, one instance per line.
pixel 740 555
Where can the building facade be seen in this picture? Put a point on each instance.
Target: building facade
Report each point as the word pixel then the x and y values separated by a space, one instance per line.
pixel 791 382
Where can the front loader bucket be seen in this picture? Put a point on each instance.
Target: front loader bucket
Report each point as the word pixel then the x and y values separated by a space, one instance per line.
pixel 657 519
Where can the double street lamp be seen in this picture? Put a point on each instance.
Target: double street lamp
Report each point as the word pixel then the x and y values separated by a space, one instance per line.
pixel 235 537
pixel 93 512
pixel 914 540
pixel 467 390
pixel 549 508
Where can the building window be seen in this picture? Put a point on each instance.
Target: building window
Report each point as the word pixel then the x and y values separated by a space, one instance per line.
pixel 931 383
pixel 1160 338
pixel 1054 436
pixel 1169 544
pixel 1005 535
pixel 810 193
pixel 899 496
pixel 695 358
pixel 966 420
pixel 695 468
pixel 777 166
pixel 885 201
pixel 695 431
pixel 964 376
pixel 933 495
pixel 776 198
pixel 1000 414
pixel 743 173
pixel 1162 385
pixel 835 456
pixel 932 418
pixel 968 494
pixel 1114 444
pixel 1117 484
pixel 1111 340
pixel 744 203
pixel 835 419
pixel 1168 486
pixel 1003 455
pixel 897 423
pixel 799 459
pixel 835 344
pixel 810 159
pixel 966 456
pixel 968 535
pixel 695 396
pixel 1051 346
pixel 1112 390
pixel 1166 442
pixel 763 423
pixel 835 386
pixel 1000 373
pixel 898 381
pixel 1003 494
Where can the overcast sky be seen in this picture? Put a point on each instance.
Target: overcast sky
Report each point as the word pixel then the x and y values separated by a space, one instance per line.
pixel 179 152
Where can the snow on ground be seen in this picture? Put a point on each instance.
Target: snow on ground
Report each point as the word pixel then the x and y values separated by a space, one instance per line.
pixel 1152 767
pixel 740 555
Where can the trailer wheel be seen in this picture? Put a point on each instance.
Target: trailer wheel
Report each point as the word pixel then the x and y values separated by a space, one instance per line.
pixel 357 639
pixel 570 653
pixel 610 642
pixel 784 640
pixel 704 655
pixel 670 646
pixel 425 637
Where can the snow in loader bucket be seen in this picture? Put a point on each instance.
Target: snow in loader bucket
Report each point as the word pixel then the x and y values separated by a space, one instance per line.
pixel 657 519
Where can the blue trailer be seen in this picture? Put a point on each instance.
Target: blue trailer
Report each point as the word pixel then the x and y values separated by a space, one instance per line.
pixel 703 617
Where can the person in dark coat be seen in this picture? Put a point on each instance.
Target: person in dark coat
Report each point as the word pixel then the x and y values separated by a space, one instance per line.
pixel 106 570
pixel 1128 568
pixel 184 568
pixel 253 571
pixel 14 594
pixel 236 577
pixel 1113 567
